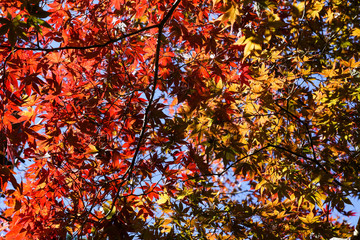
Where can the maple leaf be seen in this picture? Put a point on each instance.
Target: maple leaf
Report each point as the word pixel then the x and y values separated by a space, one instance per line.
pixel 178 119
pixel 230 15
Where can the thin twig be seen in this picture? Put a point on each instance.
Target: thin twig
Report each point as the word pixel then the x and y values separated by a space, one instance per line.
pixel 84 47
pixel 5 218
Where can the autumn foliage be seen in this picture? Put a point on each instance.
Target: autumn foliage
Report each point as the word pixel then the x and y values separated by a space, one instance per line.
pixel 179 119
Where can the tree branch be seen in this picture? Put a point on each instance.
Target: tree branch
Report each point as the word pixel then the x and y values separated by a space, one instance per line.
pixel 311 159
pixel 84 47
pixel 5 218
pixel 128 173
pixel 314 158
pixel 154 83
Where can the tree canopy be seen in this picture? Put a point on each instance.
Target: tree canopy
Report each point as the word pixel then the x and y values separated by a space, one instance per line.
pixel 179 119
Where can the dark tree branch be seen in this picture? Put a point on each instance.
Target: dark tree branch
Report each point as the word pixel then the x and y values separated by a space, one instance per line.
pixel 240 159
pixel 127 175
pixel 154 83
pixel 230 166
pixel 314 158
pixel 84 47
pixel 5 218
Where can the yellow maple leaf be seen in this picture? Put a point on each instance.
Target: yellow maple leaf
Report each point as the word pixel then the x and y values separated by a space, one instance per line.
pixel 310 218
pixel 356 32
pixel 351 63
pixel 329 16
pixel 315 10
pixel 230 15
pixel 251 44
pixel 91 149
pixel 163 199
pixel 299 8
pixel 28 115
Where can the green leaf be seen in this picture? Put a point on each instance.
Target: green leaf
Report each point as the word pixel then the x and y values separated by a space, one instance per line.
pixel 46 24
pixel 112 213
